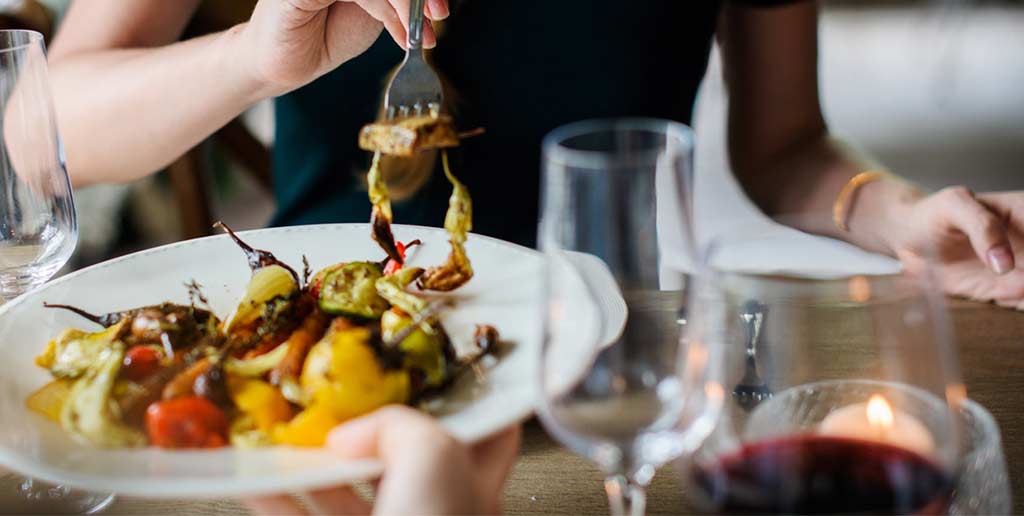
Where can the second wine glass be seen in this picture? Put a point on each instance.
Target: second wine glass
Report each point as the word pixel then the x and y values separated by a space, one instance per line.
pixel 617 383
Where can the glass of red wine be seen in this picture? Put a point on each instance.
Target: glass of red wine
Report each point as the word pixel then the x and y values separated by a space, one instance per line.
pixel 843 392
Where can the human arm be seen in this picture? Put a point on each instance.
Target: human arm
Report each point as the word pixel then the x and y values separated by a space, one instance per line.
pixel 789 163
pixel 130 99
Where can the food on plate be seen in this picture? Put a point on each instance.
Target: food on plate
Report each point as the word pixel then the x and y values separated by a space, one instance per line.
pixel 406 136
pixel 403 137
pixel 297 356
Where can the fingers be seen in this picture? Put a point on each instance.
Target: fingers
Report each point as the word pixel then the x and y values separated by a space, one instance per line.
pixel 496 456
pixel 385 433
pixel 437 10
pixel 493 460
pixel 394 14
pixel 987 231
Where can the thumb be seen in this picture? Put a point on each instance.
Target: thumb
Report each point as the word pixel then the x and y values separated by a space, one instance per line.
pixel 986 231
pixel 383 434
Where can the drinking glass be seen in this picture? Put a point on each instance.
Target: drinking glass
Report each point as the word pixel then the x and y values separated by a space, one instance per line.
pixel 843 393
pixel 618 385
pixel 38 231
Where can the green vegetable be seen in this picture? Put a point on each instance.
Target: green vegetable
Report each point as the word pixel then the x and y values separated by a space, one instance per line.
pixel 423 351
pixel 74 351
pixel 392 288
pixel 351 291
pixel 256 366
pixel 89 413
pixel 267 284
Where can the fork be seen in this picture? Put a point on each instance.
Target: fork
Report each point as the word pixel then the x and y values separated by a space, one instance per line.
pixel 752 390
pixel 415 88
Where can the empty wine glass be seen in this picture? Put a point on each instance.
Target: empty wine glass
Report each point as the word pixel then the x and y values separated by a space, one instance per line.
pixel 618 384
pixel 38 231
pixel 864 392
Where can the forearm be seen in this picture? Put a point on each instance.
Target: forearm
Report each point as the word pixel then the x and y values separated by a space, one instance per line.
pixel 802 185
pixel 125 113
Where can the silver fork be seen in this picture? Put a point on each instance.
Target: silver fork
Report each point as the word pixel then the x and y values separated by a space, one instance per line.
pixel 752 390
pixel 415 88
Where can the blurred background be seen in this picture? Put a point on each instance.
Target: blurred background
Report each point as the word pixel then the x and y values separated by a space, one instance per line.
pixel 935 89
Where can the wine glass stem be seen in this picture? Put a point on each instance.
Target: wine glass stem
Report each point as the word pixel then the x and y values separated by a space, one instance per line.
pixel 625 497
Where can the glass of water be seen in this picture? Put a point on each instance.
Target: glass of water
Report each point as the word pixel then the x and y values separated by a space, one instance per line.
pixel 618 384
pixel 38 231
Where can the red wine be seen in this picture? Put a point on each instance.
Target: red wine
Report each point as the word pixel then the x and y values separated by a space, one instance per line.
pixel 811 474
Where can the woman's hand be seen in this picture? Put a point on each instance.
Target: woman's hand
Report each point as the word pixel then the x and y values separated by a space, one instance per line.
pixel 426 471
pixel 289 43
pixel 978 241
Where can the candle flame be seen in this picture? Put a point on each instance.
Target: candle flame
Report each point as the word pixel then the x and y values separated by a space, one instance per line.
pixel 879 412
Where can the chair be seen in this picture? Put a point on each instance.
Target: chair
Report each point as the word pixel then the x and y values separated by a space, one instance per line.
pixel 189 173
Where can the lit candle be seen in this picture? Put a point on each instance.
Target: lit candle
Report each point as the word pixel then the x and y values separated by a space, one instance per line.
pixel 877 421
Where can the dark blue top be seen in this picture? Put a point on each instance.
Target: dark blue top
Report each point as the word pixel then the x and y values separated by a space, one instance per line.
pixel 519 76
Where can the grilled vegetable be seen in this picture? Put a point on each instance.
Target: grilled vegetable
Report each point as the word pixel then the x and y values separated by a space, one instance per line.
pixel 458 222
pixel 189 422
pixel 88 413
pixel 392 266
pixel 406 136
pixel 49 400
pixel 168 325
pixel 343 373
pixel 380 214
pixel 422 351
pixel 267 285
pixel 298 345
pixel 141 362
pixel 74 351
pixel 257 258
pixel 350 291
pixel 308 428
pixel 261 402
pixel 260 365
pixel 392 288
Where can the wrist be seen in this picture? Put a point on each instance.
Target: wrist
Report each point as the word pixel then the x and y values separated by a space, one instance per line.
pixel 238 58
pixel 880 209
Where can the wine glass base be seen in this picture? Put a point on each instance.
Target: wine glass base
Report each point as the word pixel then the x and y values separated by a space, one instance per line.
pixel 23 495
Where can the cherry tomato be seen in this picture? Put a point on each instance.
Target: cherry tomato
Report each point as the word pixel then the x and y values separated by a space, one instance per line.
pixel 187 422
pixel 140 362
pixel 393 266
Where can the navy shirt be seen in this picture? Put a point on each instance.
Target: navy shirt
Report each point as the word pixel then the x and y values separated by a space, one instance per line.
pixel 519 76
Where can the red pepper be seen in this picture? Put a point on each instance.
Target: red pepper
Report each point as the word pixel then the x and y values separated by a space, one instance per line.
pixel 186 422
pixel 393 266
pixel 140 362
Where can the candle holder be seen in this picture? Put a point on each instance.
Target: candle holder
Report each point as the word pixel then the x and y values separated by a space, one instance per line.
pixel 864 415
pixel 983 486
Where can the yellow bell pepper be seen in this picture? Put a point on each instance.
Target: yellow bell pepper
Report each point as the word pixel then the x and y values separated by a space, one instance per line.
pixel 49 400
pixel 345 380
pixel 260 401
pixel 309 428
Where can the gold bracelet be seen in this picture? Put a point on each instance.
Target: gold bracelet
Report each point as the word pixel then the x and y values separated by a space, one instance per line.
pixel 841 208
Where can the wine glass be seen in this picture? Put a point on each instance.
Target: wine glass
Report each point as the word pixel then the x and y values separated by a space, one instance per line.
pixel 860 391
pixel 38 231
pixel 618 385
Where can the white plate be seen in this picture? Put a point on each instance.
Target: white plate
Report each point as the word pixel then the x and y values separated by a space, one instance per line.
pixel 505 293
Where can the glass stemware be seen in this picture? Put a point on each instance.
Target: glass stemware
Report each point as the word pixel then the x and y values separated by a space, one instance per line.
pixel 861 393
pixel 38 231
pixel 618 385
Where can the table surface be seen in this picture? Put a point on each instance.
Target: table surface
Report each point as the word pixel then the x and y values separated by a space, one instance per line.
pixel 551 480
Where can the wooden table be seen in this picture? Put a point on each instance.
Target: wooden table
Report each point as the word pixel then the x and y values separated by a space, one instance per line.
pixel 551 480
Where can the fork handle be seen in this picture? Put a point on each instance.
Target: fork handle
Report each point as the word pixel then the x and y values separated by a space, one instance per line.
pixel 414 41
